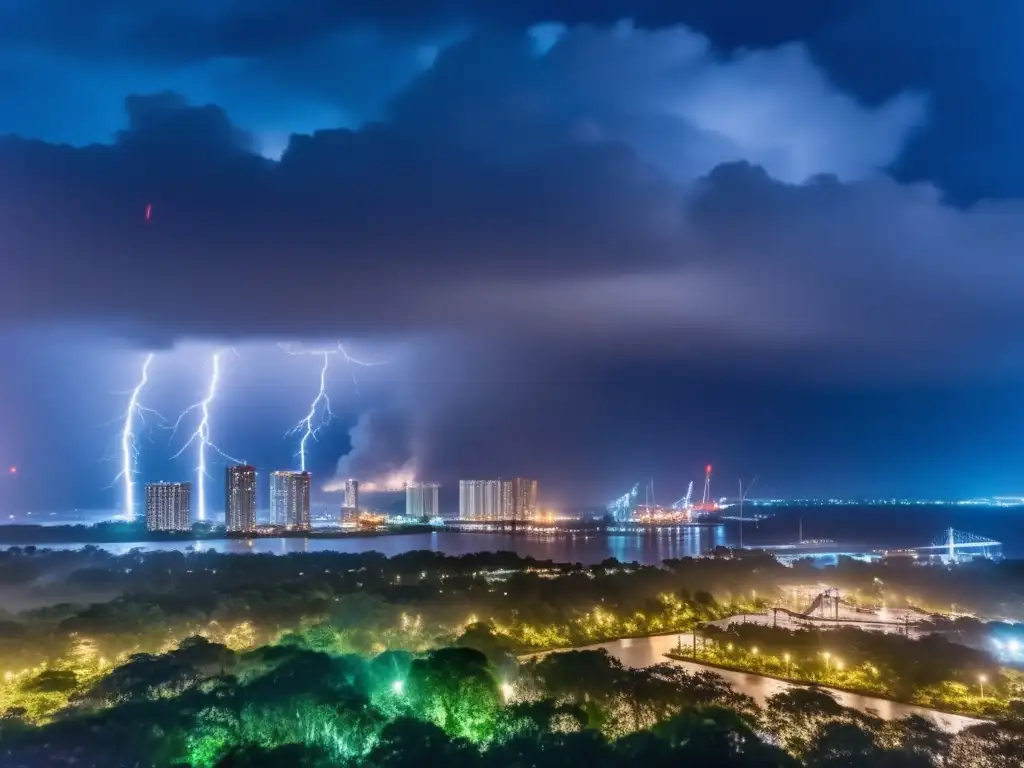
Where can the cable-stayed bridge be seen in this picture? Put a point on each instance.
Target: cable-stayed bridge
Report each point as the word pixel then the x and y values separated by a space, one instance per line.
pixel 952 545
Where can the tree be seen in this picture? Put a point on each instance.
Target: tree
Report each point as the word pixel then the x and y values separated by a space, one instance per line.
pixel 410 743
pixel 454 689
pixel 291 755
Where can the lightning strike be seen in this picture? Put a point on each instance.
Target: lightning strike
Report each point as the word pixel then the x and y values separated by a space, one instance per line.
pixel 129 439
pixel 353 361
pixel 201 436
pixel 320 413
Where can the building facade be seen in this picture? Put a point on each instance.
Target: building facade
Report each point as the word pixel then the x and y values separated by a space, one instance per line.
pixel 350 504
pixel 240 504
pixel 422 500
pixel 289 499
pixel 524 500
pixel 485 500
pixel 169 506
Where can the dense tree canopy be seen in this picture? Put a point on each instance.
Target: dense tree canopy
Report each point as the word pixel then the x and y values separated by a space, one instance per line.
pixel 343 660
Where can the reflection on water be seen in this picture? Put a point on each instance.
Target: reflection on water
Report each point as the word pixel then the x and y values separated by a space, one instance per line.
pixel 645 651
pixel 587 549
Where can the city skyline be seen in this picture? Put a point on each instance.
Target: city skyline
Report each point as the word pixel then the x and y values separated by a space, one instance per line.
pixel 585 249
pixel 290 506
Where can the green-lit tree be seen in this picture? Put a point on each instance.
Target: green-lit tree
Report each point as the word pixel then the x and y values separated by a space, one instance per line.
pixel 455 689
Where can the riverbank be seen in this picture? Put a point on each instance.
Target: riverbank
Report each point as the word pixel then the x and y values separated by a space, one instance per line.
pixel 807 683
pixel 790 681
pixel 645 652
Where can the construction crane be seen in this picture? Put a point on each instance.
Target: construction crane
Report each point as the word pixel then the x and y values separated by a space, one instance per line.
pixel 684 503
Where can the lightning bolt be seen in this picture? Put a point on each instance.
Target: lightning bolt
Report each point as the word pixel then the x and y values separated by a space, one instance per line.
pixel 320 413
pixel 201 436
pixel 307 426
pixel 129 439
pixel 311 425
pixel 353 361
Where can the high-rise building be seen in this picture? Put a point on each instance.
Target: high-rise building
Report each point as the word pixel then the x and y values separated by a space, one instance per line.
pixel 485 499
pixel 240 504
pixel 524 499
pixel 350 504
pixel 421 500
pixel 168 506
pixel 289 499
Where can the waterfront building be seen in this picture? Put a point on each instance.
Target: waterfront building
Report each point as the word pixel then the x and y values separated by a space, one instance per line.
pixel 524 500
pixel 350 504
pixel 289 499
pixel 169 506
pixel 485 500
pixel 240 504
pixel 421 500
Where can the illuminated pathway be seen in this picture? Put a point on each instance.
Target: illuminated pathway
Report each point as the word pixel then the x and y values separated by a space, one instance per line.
pixel 647 651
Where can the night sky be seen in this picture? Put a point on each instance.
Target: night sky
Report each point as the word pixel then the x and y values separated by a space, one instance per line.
pixel 593 241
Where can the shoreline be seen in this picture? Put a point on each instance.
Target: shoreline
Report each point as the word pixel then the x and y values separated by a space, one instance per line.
pixel 42 535
pixel 788 681
pixel 812 684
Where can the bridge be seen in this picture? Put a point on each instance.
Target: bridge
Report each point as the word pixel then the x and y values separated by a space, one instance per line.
pixel 952 545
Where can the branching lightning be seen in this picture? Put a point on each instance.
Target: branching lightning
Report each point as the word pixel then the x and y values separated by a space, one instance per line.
pixel 129 439
pixel 320 413
pixel 201 436
pixel 352 361
pixel 310 426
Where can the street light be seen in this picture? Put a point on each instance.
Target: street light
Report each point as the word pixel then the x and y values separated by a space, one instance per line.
pixel 982 679
pixel 787 657
pixel 828 662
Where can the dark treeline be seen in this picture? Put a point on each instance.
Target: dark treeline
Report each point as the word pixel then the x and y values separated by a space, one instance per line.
pixel 144 602
pixel 321 659
pixel 205 705
pixel 930 671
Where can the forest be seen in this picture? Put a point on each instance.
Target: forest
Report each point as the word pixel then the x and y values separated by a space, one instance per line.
pixel 328 659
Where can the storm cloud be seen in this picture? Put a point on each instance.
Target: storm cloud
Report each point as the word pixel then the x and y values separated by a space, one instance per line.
pixel 520 206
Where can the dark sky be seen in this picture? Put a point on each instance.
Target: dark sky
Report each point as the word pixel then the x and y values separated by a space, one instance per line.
pixel 593 241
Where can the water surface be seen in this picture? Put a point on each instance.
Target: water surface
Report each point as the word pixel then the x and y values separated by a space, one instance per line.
pixel 587 549
pixel 646 651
